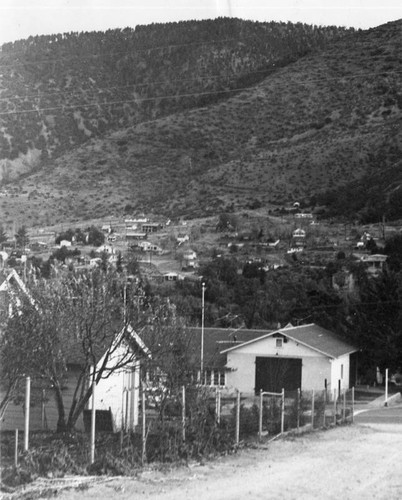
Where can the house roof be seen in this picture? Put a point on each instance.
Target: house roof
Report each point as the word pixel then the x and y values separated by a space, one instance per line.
pixel 76 355
pixel 216 340
pixel 313 336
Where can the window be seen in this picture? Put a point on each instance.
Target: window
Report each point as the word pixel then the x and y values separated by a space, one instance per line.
pixel 279 343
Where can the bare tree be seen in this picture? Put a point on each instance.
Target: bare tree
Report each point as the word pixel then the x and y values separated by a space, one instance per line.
pixel 88 320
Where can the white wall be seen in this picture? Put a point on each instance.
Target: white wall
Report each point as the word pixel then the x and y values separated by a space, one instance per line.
pixel 120 393
pixel 339 373
pixel 241 364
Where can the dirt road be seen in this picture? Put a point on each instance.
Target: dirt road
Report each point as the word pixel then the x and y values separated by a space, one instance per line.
pixel 354 462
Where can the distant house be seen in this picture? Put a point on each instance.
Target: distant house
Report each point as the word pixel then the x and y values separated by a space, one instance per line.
pixel 106 249
pixel 303 216
pixel 182 238
pixel 171 276
pixel 150 227
pixel 135 236
pixel 65 243
pixel 299 233
pixel 189 260
pixel 374 264
pixel 147 246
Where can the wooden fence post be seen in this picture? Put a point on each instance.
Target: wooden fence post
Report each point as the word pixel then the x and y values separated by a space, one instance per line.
pixel 260 416
pixel 27 411
pixel 42 414
pixel 283 411
pixel 344 407
pixel 334 406
pixel 218 406
pixel 238 418
pixel 183 414
pixel 93 423
pixel 298 409
pixel 16 449
pixel 312 409
pixel 144 436
pixel 353 404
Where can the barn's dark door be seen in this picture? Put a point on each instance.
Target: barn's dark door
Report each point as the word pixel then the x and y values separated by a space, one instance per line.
pixel 275 374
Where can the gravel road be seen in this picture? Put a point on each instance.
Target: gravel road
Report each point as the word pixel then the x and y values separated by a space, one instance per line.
pixel 352 462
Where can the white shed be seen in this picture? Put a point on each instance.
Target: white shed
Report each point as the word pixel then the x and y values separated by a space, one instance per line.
pixel 303 357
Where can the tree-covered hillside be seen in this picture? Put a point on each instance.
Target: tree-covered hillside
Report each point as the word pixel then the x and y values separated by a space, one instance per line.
pixel 60 90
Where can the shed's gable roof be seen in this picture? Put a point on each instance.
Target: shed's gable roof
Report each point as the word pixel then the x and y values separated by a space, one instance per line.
pixel 216 340
pixel 312 336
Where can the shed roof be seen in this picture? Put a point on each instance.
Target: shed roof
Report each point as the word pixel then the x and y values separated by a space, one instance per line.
pixel 216 340
pixel 313 336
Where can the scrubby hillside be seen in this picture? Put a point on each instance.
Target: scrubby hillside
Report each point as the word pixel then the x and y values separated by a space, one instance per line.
pixel 327 119
pixel 59 91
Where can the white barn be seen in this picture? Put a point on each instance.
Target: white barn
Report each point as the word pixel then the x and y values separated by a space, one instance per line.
pixel 304 357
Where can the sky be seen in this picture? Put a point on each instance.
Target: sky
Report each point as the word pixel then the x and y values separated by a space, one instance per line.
pixel 22 18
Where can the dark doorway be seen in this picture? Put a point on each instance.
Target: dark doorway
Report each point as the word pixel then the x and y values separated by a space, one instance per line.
pixel 275 374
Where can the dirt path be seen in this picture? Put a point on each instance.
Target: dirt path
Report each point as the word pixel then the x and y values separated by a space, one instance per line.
pixel 353 462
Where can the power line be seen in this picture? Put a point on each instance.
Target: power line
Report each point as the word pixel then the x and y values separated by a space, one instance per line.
pixel 66 107
pixel 83 92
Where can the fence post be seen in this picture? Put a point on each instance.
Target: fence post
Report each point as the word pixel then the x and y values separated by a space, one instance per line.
pixel 298 409
pixel 42 414
pixel 344 407
pixel 27 410
pixel 334 406
pixel 144 450
pixel 218 406
pixel 283 411
pixel 386 387
pixel 93 422
pixel 16 449
pixel 260 416
pixel 353 404
pixel 325 407
pixel 312 410
pixel 238 418
pixel 183 414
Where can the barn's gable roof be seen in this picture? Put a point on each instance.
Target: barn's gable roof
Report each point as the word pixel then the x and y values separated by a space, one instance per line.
pixel 313 336
pixel 216 340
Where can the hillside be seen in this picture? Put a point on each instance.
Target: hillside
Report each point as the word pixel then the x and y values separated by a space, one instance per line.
pixel 329 118
pixel 59 91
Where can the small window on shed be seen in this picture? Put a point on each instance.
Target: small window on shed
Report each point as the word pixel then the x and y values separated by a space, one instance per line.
pixel 279 342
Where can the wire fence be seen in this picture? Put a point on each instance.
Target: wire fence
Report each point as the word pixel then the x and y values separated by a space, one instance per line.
pixel 194 421
pixel 196 417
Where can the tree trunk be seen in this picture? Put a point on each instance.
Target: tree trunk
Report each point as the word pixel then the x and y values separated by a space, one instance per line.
pixel 7 398
pixel 79 407
pixel 61 422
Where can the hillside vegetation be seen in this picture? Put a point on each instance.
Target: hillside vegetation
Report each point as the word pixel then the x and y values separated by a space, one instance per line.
pixel 272 113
